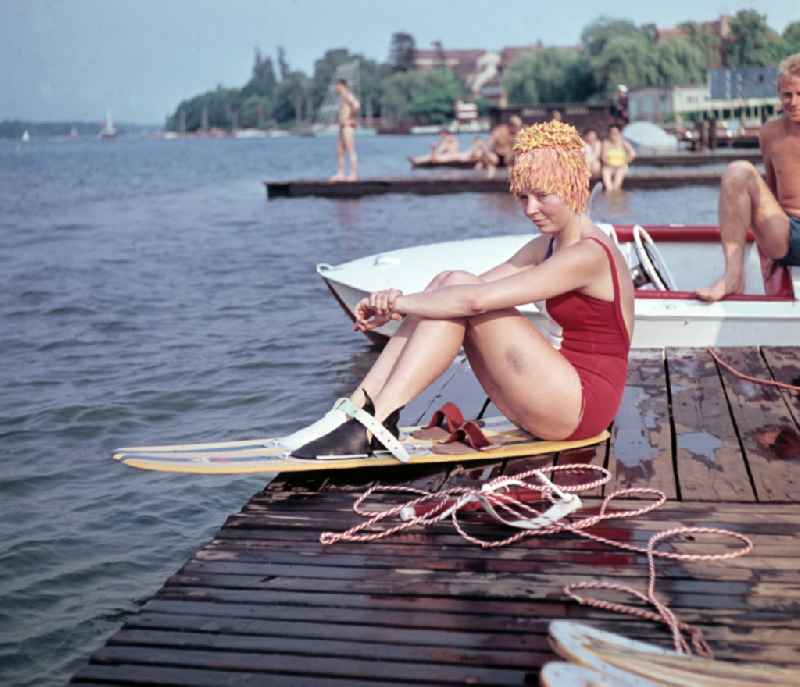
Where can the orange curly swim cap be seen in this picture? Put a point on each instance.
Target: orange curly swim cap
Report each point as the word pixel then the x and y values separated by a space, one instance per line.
pixel 549 157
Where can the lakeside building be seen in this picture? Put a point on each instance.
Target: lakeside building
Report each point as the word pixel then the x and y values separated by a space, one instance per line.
pixel 480 70
pixel 738 99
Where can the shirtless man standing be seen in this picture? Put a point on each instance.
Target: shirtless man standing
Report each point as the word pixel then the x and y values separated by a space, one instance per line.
pixel 346 143
pixel 771 209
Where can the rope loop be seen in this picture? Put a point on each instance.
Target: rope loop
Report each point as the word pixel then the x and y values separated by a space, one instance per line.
pixel 509 500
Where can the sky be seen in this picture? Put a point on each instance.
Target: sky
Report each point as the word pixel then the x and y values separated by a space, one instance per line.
pixel 75 59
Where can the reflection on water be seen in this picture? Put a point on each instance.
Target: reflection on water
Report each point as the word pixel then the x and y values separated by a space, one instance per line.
pixel 613 205
pixel 347 212
pixel 501 204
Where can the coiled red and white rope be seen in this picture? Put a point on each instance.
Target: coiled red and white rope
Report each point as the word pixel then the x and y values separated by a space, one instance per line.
pixel 508 500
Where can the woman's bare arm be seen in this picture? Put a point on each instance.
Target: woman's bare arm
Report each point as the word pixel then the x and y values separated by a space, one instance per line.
pixel 629 150
pixel 572 268
pixel 532 253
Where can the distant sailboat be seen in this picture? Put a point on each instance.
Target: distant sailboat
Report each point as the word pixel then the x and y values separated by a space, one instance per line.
pixel 109 130
pixel 26 136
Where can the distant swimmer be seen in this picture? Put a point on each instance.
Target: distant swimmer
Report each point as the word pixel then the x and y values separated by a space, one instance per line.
pixel 346 143
pixel 772 209
pixel 617 154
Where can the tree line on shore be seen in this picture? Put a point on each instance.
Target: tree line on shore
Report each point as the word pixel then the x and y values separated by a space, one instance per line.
pixel 612 51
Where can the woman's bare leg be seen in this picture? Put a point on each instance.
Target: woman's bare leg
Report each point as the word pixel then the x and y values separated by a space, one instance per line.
pixel 531 382
pixel 376 378
pixel 745 201
pixel 528 380
pixel 428 352
pixel 608 179
pixel 619 176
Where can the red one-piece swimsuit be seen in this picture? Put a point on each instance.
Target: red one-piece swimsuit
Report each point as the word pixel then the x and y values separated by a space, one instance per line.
pixel 596 341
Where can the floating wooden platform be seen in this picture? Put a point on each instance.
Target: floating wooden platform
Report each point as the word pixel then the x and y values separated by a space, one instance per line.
pixel 460 183
pixel 662 160
pixel 264 603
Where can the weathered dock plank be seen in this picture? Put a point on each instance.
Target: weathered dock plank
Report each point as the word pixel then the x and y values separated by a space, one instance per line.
pixel 784 363
pixel 462 183
pixel 264 602
pixel 709 461
pixel 768 432
pixel 641 442
pixel 661 160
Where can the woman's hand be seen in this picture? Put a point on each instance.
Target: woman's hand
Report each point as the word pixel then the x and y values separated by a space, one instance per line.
pixel 377 309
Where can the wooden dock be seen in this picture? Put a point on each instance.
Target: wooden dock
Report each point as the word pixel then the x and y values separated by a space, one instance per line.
pixel 684 159
pixel 462 183
pixel 264 603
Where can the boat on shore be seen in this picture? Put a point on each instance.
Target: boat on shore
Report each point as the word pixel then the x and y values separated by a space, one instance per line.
pixel 667 262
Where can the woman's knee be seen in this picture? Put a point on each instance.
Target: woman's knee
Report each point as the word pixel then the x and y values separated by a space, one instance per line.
pixel 452 278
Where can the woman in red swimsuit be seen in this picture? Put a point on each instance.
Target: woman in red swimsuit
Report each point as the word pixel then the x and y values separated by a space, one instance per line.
pixel 567 392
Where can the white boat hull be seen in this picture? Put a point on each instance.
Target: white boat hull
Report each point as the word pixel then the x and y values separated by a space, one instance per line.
pixel 665 320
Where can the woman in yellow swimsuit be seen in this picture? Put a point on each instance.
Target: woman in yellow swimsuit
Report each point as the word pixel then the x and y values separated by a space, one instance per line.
pixel 617 155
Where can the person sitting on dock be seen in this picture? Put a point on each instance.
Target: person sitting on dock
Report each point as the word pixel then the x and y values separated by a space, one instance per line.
pixel 499 147
pixel 445 149
pixel 565 389
pixel 346 141
pixel 617 154
pixel 476 151
pixel 593 151
pixel 770 209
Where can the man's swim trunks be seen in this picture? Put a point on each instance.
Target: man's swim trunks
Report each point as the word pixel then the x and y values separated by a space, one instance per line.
pixel 792 257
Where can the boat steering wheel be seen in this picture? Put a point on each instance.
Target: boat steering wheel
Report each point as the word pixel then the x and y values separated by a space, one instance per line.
pixel 653 263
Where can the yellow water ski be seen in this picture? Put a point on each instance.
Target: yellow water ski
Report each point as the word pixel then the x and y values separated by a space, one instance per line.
pixel 252 461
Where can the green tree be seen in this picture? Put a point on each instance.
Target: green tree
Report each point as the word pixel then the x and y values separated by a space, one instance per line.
pixel 292 99
pixel 434 103
pixel 262 82
pixel 402 49
pixel 255 112
pixel 425 97
pixel 679 63
pixel 625 59
pixel 752 43
pixel 791 38
pixel 705 39
pixel 283 64
pixel 324 71
pixel 221 105
pixel 549 75
pixel 598 33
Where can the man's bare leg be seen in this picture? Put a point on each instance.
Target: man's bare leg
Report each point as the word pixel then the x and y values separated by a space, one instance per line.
pixel 339 176
pixel 745 201
pixel 349 140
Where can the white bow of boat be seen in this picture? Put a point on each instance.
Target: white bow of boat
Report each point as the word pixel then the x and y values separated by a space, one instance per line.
pixel 690 254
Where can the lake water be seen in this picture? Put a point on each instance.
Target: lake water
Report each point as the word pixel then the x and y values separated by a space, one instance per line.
pixel 150 292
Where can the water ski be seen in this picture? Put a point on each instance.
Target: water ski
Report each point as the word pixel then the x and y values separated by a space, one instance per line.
pixel 267 456
pixel 604 658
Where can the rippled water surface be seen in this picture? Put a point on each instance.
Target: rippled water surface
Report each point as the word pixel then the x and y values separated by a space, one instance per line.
pixel 150 292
